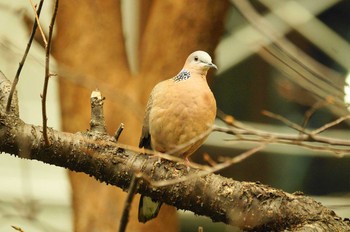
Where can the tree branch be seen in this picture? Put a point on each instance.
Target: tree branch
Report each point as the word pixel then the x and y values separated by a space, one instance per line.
pixel 21 64
pixel 310 139
pixel 47 73
pixel 250 206
pixel 38 23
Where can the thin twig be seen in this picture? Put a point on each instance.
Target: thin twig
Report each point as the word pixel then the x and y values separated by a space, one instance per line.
pixel 285 121
pixel 209 160
pixel 170 154
pixel 309 139
pixel 301 75
pixel 21 64
pixel 47 74
pixel 126 211
pixel 310 74
pixel 119 132
pixel 97 121
pixel 324 147
pixel 322 140
pixel 318 70
pixel 331 124
pixel 18 228
pixel 226 118
pixel 37 20
pixel 312 111
pixel 191 141
pixel 214 169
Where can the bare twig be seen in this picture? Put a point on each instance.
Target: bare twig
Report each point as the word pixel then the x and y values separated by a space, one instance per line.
pixel 126 211
pixel 191 141
pixel 313 109
pixel 301 75
pixel 316 78
pixel 226 118
pixel 285 121
pixel 38 22
pixel 47 73
pixel 119 131
pixel 318 70
pixel 18 228
pixel 209 160
pixel 170 155
pixel 97 121
pixel 21 64
pixel 331 124
pixel 307 139
pixel 209 170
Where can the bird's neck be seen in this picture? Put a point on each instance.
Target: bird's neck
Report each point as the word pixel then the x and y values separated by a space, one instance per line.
pixel 199 73
pixel 182 75
pixel 185 74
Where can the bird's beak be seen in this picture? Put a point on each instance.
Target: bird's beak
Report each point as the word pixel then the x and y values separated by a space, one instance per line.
pixel 211 65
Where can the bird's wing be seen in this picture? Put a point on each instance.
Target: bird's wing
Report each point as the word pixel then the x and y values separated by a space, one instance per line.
pixel 145 139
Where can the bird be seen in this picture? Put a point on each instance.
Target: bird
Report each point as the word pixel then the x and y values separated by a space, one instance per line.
pixel 179 110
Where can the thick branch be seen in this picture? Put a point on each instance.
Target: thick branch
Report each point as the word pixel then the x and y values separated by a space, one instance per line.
pixel 250 206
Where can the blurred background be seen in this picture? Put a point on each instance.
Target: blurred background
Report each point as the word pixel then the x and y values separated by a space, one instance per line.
pixel 37 197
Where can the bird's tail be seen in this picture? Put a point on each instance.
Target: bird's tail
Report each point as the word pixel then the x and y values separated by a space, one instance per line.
pixel 148 209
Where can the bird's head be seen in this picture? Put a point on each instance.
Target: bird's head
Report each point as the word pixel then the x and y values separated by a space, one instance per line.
pixel 199 61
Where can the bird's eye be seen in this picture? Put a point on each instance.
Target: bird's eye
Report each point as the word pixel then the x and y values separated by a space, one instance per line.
pixel 196 58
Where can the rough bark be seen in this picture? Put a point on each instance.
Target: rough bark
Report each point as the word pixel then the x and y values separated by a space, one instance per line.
pixel 249 206
pixel 89 47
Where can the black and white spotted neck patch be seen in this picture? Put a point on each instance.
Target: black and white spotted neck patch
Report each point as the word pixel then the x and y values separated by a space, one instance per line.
pixel 182 75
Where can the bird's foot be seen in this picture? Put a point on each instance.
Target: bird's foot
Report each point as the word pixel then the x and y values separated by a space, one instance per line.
pixel 159 160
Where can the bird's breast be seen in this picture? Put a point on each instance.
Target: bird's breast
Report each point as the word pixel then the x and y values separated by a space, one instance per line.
pixel 181 113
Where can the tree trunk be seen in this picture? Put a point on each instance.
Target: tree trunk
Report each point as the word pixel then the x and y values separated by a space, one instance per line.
pixel 89 47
